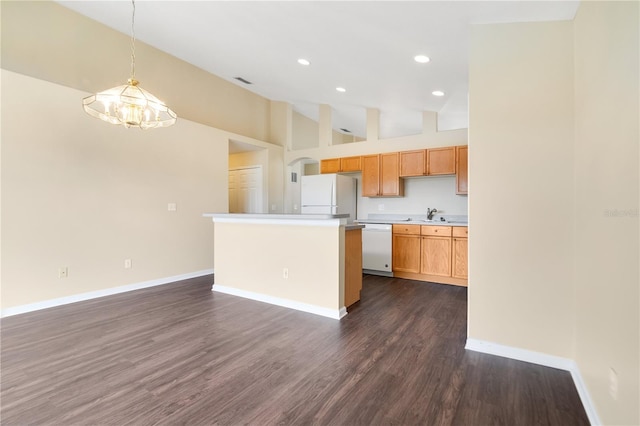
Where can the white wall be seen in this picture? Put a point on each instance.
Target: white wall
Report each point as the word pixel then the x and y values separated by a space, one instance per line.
pixel 521 186
pixel 606 213
pixel 419 194
pixel 80 193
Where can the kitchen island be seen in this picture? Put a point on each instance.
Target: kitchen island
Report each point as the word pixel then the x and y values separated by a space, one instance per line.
pixel 295 261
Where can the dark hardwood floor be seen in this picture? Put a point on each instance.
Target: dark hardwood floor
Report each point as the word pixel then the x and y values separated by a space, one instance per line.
pixel 180 354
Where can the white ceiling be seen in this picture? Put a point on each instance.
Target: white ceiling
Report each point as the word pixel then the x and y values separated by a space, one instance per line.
pixel 366 47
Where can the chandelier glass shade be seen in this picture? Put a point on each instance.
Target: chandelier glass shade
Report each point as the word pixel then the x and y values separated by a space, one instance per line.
pixel 130 105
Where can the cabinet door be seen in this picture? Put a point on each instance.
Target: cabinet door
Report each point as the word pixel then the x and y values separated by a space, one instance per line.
pixel 330 165
pixel 460 258
pixel 352 266
pixel 413 163
pixel 351 164
pixel 436 256
pixel 441 161
pixel 390 175
pixel 406 253
pixel 461 169
pixel 370 175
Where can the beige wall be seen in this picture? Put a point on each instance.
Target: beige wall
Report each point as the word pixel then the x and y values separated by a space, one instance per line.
pixel 45 40
pixel 606 205
pixel 79 193
pixel 554 195
pixel 305 132
pixel 246 261
pixel 430 138
pixel 521 184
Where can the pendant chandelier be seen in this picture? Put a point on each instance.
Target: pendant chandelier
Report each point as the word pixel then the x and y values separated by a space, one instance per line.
pixel 130 105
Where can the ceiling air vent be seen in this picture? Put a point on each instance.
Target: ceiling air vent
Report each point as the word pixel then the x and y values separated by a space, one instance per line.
pixel 243 80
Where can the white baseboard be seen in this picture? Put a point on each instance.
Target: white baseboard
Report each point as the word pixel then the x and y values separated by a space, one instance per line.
pixel 99 293
pixel 541 359
pixel 286 303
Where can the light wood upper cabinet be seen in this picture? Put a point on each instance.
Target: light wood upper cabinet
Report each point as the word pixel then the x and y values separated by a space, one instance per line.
pixel 371 175
pixel 382 173
pixel 413 163
pixel 462 169
pixel 351 164
pixel 330 165
pixel 380 176
pixel 441 161
pixel 406 248
pixel 390 184
pixel 337 165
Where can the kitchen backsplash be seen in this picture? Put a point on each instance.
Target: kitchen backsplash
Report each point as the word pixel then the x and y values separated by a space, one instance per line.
pixel 421 193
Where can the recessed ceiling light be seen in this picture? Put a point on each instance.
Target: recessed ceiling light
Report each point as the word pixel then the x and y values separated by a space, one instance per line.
pixel 303 61
pixel 422 59
pixel 341 89
pixel 437 93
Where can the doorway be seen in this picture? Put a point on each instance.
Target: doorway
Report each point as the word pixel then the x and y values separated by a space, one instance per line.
pixel 245 190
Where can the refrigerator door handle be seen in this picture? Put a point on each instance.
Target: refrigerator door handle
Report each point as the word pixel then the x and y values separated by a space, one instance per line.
pixel 333 200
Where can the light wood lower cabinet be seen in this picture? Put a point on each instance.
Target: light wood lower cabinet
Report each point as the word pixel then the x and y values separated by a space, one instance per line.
pixel 406 248
pixel 436 256
pixel 460 253
pixel 435 253
pixel 352 266
pixel 459 258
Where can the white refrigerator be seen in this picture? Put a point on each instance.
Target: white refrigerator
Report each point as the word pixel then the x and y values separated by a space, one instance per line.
pixel 328 194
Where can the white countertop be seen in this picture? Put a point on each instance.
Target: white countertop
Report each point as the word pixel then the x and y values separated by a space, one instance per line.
pixel 276 216
pixel 282 219
pixel 416 219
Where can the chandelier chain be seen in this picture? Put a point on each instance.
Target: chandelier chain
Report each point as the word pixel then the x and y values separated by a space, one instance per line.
pixel 133 41
pixel 130 105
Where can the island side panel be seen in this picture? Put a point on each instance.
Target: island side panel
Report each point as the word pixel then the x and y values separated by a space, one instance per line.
pixel 252 257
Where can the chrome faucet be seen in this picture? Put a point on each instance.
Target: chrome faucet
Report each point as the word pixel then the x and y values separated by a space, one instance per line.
pixel 430 213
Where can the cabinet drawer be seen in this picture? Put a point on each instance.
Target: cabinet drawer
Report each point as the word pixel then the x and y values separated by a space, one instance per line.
pixel 441 231
pixel 406 229
pixel 461 231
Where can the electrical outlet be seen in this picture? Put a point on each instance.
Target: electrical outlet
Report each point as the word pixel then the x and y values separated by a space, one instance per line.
pixel 295 207
pixel 127 263
pixel 285 273
pixel 381 207
pixel 273 207
pixel 63 272
pixel 172 207
pixel 613 383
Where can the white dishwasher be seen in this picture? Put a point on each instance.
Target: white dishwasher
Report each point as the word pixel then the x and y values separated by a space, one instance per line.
pixel 376 249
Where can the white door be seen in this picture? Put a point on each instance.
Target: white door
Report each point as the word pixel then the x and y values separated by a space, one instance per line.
pixel 245 190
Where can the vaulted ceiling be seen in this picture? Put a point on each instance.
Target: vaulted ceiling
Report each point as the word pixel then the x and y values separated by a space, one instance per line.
pixel 367 48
